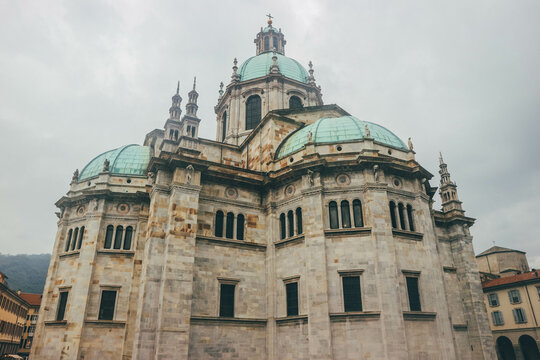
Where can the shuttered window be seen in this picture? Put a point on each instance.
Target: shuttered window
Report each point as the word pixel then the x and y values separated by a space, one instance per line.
pixel 519 316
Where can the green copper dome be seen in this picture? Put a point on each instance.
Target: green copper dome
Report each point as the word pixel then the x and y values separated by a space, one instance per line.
pixel 332 130
pixel 259 65
pixel 126 160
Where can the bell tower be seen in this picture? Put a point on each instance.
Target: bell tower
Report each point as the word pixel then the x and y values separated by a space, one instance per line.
pixel 448 190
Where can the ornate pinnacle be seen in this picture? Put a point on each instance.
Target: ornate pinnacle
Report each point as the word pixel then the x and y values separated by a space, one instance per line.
pixel 178 88
pixel 194 82
pixel 311 77
pixel 220 90
pixel 235 76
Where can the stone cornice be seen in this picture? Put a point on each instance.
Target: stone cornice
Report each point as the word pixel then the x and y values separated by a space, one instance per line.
pixel 419 315
pixel 239 244
pixel 355 315
pixel 216 320
pixel 293 240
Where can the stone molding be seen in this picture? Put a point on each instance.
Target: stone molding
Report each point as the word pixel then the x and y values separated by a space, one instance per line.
pixel 106 323
pixel 298 239
pixel 216 320
pixel 232 243
pixel 419 315
pixel 460 327
pixel 355 315
pixel 413 235
pixel 55 323
pixel 362 231
pixel 128 253
pixel 214 200
pixel 69 254
pixel 292 320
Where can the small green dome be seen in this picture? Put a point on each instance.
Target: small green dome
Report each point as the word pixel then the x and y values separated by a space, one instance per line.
pixel 126 160
pixel 270 28
pixel 259 65
pixel 332 130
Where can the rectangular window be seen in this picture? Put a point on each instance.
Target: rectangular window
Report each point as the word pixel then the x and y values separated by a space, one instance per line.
pixel 514 296
pixel 106 307
pixel 519 316
pixel 414 295
pixel 493 300
pixel 497 318
pixel 352 298
pixel 226 300
pixel 62 302
pixel 292 298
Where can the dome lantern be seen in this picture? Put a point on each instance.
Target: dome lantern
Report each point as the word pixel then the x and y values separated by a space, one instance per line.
pixel 269 38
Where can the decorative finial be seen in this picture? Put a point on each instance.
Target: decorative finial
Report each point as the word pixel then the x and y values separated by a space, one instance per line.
pixel 220 89
pixel 194 82
pixel 75 175
pixel 310 65
pixel 270 17
pixel 235 61
pixel 235 76
pixel 311 77
pixel 274 50
pixel 178 88
pixel 441 161
pixel 411 147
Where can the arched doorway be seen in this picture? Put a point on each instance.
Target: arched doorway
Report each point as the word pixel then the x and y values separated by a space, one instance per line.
pixel 529 348
pixel 505 348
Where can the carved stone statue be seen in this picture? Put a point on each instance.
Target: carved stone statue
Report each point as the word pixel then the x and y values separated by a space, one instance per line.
pixel 151 177
pixel 376 172
pixel 311 177
pixel 411 147
pixel 75 175
pixel 189 174
pixel 368 133
pixel 309 136
pixel 106 164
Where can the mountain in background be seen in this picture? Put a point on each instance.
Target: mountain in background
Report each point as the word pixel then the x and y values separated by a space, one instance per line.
pixel 25 272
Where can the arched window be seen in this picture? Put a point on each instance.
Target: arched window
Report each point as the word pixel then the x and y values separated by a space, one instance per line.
pixel 175 134
pixel 299 229
pixel 253 111
pixel 229 231
pixel 127 240
pixel 118 237
pixel 188 130
pixel 332 209
pixel 81 234
pixel 295 103
pixel 108 237
pixel 401 217
pixel 266 43
pixel 410 217
pixel 345 214
pixel 290 218
pixel 68 241
pixel 357 213
pixel 275 43
pixel 171 134
pixel 505 348
pixel 193 131
pixel 393 214
pixel 240 227
pixel 75 236
pixel 528 347
pixel 282 231
pixel 224 126
pixel 218 228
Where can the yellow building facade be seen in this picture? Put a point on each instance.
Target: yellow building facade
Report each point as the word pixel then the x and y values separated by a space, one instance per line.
pixel 34 300
pixel 13 311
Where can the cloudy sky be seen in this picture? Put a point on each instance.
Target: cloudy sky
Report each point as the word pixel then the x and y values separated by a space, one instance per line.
pixel 78 78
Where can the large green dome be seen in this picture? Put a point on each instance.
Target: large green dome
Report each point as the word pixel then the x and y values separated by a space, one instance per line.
pixel 126 160
pixel 332 130
pixel 259 65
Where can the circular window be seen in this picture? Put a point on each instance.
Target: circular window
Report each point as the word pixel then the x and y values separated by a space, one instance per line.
pixel 89 183
pixel 80 210
pixel 343 179
pixel 291 160
pixel 128 181
pixel 339 148
pixel 290 190
pixel 397 182
pixel 231 193
pixel 123 208
pixel 389 152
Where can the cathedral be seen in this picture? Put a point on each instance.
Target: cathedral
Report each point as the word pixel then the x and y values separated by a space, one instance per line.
pixel 299 232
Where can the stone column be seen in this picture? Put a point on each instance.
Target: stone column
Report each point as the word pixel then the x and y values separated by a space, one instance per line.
pixel 479 331
pixel 320 336
pixel 388 275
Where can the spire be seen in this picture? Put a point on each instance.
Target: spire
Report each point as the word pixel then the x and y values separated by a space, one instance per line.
pixel 448 189
pixel 220 90
pixel 311 78
pixel 175 111
pixel 191 106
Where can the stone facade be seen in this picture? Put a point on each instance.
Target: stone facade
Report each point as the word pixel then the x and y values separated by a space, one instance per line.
pixel 274 212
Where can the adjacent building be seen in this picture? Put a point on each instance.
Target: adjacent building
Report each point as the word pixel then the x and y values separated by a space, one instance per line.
pixel 512 297
pixel 13 311
pixel 34 302
pixel 300 232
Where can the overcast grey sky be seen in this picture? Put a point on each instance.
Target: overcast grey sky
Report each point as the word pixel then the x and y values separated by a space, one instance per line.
pixel 78 78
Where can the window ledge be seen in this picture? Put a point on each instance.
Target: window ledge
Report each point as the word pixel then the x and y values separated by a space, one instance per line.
pixel 69 254
pixel 413 235
pixel 106 323
pixel 460 327
pixel 216 320
pixel 116 252
pixel 355 315
pixel 349 231
pixel 292 320
pixel 419 315
pixel 56 323
pixel 232 242
pixel 290 241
